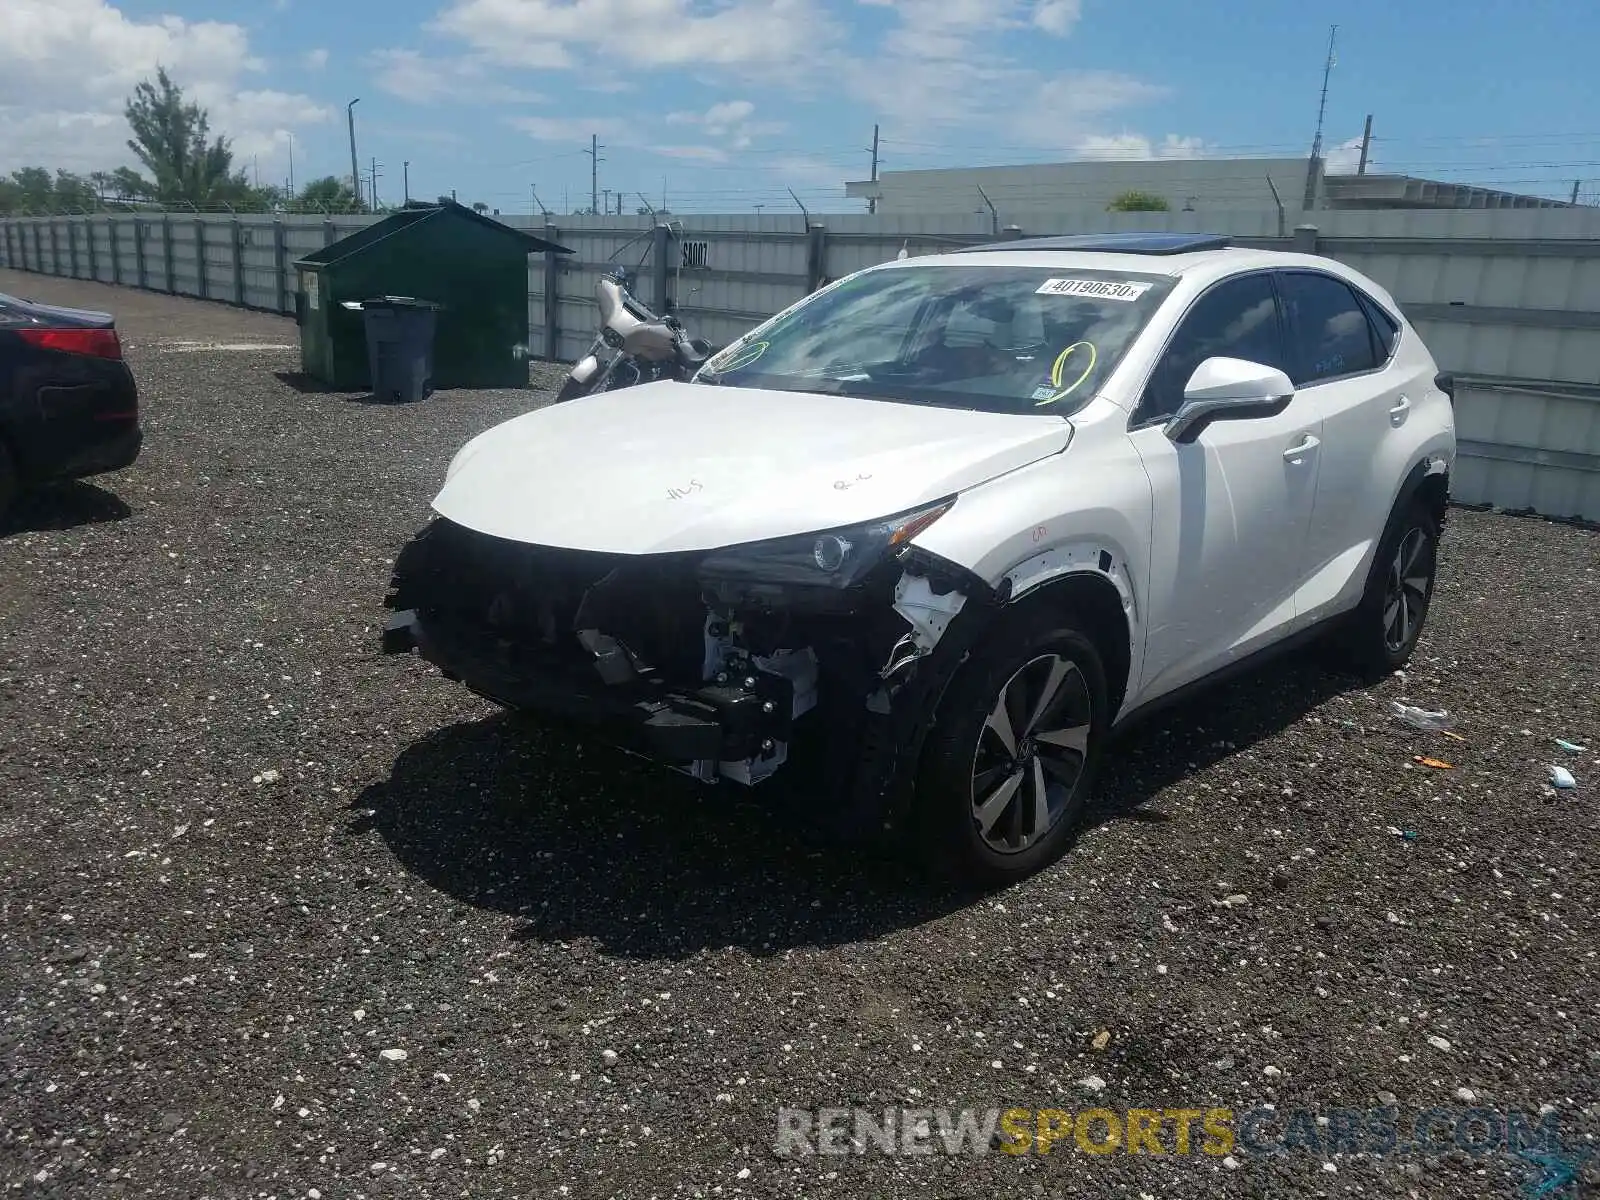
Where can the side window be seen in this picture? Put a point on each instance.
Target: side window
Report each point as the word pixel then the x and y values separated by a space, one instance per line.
pixel 1235 319
pixel 1384 327
pixel 1329 333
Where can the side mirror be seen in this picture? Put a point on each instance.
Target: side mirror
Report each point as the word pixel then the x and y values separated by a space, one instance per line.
pixel 1228 389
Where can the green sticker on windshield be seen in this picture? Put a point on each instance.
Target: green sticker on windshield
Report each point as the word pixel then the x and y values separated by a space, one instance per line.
pixel 1059 388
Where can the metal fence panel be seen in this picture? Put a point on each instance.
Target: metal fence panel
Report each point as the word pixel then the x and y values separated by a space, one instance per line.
pixel 1507 299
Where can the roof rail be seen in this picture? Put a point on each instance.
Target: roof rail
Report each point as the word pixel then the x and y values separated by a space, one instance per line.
pixel 1112 243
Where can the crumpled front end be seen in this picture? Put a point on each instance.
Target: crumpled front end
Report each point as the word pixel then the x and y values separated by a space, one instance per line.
pixel 686 658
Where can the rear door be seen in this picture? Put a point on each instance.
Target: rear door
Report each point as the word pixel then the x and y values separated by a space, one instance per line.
pixel 1342 354
pixel 1231 508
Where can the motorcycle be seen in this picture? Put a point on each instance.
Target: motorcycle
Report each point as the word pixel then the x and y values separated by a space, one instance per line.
pixel 634 345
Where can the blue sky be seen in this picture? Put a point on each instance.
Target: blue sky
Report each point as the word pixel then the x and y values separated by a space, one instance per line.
pixel 727 104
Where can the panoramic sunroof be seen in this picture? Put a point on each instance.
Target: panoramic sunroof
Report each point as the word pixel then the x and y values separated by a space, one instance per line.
pixel 1115 243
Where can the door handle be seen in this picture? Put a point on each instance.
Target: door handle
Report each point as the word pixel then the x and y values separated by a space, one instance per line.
pixel 1296 453
pixel 1401 408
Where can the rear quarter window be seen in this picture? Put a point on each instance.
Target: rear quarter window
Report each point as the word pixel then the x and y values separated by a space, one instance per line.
pixel 1385 329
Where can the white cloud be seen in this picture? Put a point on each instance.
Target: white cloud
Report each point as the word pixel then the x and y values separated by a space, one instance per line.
pixel 410 75
pixel 1057 16
pixel 656 33
pixel 1345 158
pixel 1137 146
pixel 568 129
pixel 68 66
pixel 692 153
pixel 315 60
pixel 728 123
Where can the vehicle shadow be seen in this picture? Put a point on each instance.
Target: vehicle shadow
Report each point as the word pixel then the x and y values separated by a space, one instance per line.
pixel 584 842
pixel 1167 747
pixel 62 506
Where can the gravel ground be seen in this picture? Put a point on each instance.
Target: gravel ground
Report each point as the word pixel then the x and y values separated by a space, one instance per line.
pixel 245 855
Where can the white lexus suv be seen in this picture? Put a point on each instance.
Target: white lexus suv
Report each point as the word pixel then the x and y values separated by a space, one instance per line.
pixel 926 538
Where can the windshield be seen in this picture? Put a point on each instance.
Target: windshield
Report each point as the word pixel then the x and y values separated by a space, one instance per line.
pixel 995 338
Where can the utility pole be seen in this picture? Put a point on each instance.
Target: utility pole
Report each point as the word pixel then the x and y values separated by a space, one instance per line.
pixel 1575 184
pixel 594 171
pixel 355 170
pixel 606 192
pixel 405 176
pixel 1314 167
pixel 1366 146
pixel 291 165
pixel 372 193
pixel 872 201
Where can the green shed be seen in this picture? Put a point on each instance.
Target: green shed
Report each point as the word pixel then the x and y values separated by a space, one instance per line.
pixel 474 267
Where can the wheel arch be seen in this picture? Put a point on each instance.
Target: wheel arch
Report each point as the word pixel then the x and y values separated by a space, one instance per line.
pixel 1427 481
pixel 1090 582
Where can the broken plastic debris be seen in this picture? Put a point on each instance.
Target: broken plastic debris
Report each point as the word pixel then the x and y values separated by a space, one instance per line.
pixel 1570 747
pixel 1437 763
pixel 1560 777
pixel 1420 718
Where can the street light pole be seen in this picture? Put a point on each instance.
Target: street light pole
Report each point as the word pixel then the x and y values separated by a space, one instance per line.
pixel 355 170
pixel 405 176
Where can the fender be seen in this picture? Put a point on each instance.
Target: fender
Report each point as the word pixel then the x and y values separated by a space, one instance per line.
pixel 1432 465
pixel 1089 558
pixel 1071 558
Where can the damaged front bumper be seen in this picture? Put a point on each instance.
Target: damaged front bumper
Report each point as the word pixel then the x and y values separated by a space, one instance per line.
pixel 734 727
pixel 657 655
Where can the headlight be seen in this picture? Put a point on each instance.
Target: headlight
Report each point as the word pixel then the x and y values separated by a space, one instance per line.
pixel 834 558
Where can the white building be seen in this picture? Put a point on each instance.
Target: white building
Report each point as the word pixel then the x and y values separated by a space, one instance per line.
pixel 1202 185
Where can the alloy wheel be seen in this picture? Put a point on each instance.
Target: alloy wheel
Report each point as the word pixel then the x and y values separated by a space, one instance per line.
pixel 1031 753
pixel 1405 594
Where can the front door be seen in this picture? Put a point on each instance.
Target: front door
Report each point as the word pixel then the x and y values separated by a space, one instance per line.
pixel 1232 508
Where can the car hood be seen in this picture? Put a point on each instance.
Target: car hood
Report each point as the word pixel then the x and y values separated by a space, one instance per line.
pixel 667 467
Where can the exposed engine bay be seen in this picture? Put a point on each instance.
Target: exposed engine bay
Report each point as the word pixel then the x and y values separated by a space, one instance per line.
pixel 704 671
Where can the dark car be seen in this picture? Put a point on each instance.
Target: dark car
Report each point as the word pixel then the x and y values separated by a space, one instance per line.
pixel 69 407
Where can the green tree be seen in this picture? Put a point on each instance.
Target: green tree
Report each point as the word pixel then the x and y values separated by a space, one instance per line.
pixel 1137 201
pixel 34 189
pixel 330 193
pixel 172 139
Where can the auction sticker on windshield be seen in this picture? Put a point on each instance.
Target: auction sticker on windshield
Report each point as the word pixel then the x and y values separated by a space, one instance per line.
pixel 1103 289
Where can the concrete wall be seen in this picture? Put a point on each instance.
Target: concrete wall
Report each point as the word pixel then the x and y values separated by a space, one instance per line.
pixel 1508 300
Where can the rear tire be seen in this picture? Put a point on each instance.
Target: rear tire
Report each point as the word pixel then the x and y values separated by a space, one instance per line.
pixel 1010 766
pixel 1380 635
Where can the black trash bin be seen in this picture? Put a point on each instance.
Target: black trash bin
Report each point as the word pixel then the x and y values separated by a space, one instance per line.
pixel 400 333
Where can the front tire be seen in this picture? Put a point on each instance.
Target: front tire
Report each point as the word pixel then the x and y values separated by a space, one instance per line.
pixel 1010 766
pixel 571 389
pixel 1380 636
